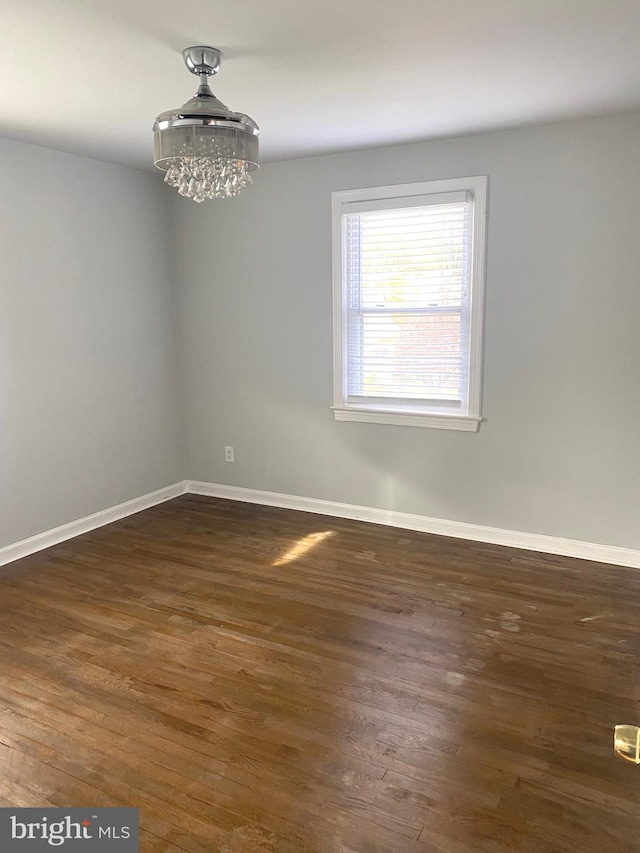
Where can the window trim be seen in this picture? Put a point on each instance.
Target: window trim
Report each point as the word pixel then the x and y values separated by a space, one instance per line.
pixel 470 419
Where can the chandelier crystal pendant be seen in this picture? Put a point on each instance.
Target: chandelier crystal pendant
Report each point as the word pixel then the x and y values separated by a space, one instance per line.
pixel 207 150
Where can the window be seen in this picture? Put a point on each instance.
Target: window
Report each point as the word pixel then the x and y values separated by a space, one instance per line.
pixel 408 303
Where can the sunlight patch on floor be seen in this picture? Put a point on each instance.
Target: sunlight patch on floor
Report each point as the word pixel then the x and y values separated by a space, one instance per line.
pixel 302 547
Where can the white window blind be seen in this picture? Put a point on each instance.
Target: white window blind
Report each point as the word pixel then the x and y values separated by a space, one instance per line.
pixel 406 303
pixel 406 276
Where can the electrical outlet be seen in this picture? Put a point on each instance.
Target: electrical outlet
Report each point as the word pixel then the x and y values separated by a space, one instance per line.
pixel 228 454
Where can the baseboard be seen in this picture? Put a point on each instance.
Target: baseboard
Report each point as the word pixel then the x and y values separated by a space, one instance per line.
pixel 441 526
pixel 457 529
pixel 83 525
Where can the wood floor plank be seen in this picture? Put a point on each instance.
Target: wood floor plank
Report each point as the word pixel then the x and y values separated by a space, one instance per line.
pixel 257 680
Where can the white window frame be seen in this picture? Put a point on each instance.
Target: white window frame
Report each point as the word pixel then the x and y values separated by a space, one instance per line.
pixel 400 412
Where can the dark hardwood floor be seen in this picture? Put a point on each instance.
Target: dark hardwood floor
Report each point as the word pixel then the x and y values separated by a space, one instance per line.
pixel 258 680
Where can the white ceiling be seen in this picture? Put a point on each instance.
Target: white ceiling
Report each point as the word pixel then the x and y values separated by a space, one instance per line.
pixel 89 76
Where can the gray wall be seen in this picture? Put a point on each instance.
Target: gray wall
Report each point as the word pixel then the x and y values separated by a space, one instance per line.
pixel 90 399
pixel 89 411
pixel 559 452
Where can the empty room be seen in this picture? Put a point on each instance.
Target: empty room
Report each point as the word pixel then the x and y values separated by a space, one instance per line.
pixel 319 459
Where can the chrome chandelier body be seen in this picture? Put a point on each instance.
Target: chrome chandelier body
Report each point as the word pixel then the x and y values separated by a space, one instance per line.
pixel 206 150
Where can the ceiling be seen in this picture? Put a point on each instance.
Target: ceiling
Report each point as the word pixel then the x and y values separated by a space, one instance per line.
pixel 89 76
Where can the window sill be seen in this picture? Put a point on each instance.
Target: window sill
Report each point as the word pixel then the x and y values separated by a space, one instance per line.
pixel 466 423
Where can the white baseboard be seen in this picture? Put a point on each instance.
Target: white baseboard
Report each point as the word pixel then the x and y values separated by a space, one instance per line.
pixel 457 529
pixel 25 547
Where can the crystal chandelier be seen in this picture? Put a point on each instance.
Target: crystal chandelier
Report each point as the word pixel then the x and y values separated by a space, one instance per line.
pixel 207 150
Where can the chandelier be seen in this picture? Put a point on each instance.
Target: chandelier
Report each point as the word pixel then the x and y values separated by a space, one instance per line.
pixel 207 150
